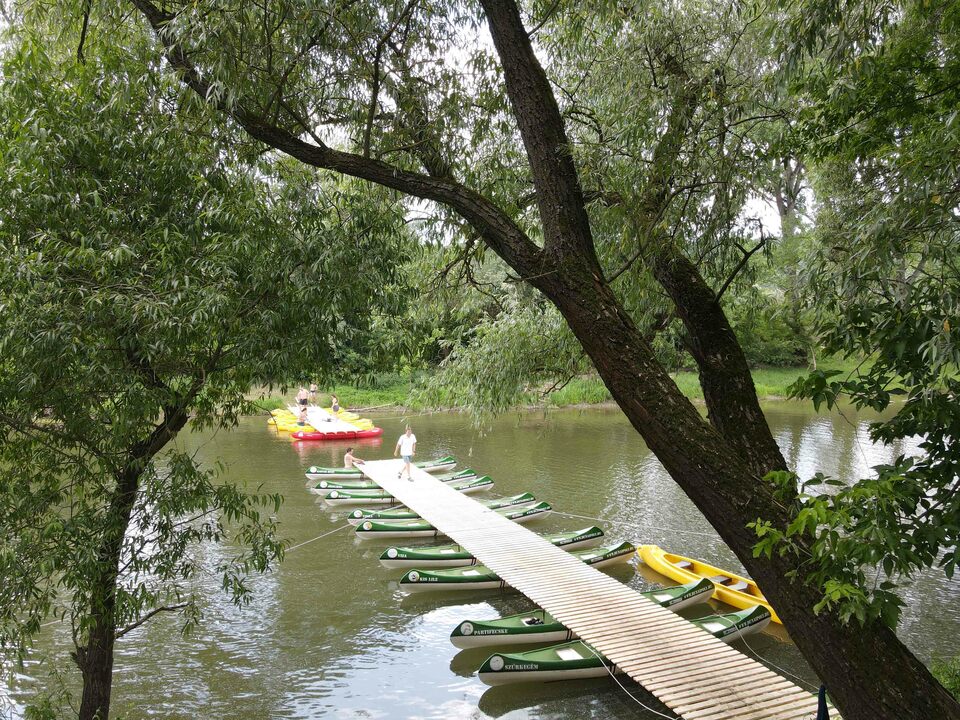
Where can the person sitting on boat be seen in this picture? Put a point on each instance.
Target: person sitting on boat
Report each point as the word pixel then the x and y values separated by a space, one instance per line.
pixel 302 418
pixel 406 448
pixel 349 460
pixel 302 397
pixel 334 403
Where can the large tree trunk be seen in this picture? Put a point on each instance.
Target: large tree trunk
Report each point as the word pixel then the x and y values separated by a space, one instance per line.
pixel 95 657
pixel 869 673
pixel 96 670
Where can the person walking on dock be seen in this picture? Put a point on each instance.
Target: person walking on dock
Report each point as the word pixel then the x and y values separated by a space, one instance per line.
pixel 406 448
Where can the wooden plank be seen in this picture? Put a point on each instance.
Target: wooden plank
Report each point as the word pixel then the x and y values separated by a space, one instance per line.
pixel 771 697
pixel 689 670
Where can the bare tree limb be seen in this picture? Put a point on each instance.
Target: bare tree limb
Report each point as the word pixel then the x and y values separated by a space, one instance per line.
pixel 133 626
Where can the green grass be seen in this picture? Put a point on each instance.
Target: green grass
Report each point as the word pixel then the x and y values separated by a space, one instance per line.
pixel 948 673
pixel 580 391
pixel 770 383
pixel 394 393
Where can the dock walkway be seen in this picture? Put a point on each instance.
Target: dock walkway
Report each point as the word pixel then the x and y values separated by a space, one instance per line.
pixel 687 669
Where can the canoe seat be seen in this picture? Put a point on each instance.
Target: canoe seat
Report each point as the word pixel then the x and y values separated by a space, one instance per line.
pixel 683 564
pixel 739 585
pixel 719 579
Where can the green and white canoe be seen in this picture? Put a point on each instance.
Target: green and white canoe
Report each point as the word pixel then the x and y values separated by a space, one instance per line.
pixel 480 577
pixel 325 486
pixel 576 660
pixel 375 529
pixel 539 626
pixel 315 472
pixel 383 498
pixel 443 556
pixel 357 516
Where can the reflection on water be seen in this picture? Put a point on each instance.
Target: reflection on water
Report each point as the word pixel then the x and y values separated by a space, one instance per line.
pixel 329 634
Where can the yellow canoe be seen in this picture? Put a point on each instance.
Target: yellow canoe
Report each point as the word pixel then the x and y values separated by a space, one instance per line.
pixel 732 589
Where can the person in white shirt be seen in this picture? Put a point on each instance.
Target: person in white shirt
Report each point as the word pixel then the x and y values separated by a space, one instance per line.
pixel 406 448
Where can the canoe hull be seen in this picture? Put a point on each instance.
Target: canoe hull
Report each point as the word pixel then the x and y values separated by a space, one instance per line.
pixel 357 517
pixel 327 473
pixel 335 497
pixel 666 564
pixel 480 577
pixel 322 487
pixel 435 558
pixel 576 659
pixel 539 627
pixel 316 436
pixel 384 531
pixel 546 665
pixel 543 676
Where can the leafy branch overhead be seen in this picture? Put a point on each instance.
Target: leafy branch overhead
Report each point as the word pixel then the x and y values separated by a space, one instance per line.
pixel 151 274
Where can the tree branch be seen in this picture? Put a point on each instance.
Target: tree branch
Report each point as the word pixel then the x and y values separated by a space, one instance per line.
pixel 496 228
pixel 740 265
pixel 133 626
pixel 563 213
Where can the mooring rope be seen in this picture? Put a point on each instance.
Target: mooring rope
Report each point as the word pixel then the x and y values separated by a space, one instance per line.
pixel 742 638
pixel 318 537
pixel 638 701
pixel 289 549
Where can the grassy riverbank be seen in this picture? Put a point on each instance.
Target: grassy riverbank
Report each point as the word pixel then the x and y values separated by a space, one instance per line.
pixel 771 384
pixel 395 391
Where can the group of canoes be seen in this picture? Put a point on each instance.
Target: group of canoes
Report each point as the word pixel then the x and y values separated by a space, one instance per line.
pixel 453 567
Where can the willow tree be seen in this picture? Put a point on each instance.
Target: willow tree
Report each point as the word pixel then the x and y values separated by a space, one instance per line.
pixel 404 96
pixel 151 272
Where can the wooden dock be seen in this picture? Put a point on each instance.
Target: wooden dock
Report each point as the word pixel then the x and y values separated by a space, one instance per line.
pixel 687 669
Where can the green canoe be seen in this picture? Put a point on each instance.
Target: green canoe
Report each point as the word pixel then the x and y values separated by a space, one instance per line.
pixel 357 516
pixel 480 577
pixel 325 486
pixel 538 626
pixel 373 529
pixel 573 660
pixel 381 497
pixel 334 473
pixel 441 556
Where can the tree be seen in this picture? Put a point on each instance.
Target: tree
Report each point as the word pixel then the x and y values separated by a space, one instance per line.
pixel 284 71
pixel 150 274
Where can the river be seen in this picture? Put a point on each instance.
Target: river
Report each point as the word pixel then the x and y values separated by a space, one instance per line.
pixel 329 635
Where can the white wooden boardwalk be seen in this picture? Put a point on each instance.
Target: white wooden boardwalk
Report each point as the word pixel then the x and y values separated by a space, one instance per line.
pixel 687 669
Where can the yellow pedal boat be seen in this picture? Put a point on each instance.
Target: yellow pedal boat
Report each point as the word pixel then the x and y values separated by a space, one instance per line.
pixel 732 589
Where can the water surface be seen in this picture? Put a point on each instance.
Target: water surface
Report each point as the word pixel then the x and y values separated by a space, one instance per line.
pixel 329 634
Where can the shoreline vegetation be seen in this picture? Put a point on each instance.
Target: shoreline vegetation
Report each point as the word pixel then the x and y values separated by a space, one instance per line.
pixel 396 393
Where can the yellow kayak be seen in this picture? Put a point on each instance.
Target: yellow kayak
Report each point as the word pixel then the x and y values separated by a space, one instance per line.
pixel 732 589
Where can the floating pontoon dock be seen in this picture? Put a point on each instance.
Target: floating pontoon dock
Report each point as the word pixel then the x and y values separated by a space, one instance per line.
pixel 688 670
